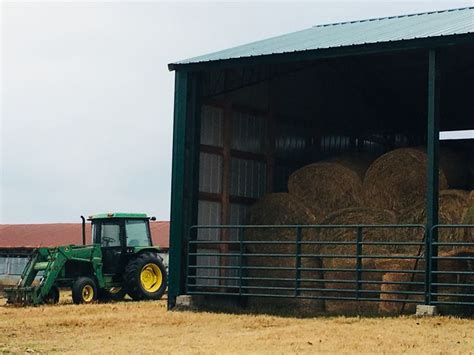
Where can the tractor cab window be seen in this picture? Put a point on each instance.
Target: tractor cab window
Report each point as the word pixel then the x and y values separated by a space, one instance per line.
pixel 137 233
pixel 107 234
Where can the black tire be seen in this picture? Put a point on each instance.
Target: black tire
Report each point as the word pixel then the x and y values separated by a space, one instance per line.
pixel 151 267
pixel 84 290
pixel 112 294
pixel 53 296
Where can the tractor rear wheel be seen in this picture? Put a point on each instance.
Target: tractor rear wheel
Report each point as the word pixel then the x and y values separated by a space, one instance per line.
pixel 84 290
pixel 145 277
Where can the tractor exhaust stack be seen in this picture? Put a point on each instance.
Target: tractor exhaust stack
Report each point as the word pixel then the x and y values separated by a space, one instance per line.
pixel 83 230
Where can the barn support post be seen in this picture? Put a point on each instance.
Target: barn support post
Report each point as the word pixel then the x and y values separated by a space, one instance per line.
pixel 432 173
pixel 191 185
pixel 183 181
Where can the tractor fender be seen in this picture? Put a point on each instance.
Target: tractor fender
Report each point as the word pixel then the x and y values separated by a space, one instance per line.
pixel 142 250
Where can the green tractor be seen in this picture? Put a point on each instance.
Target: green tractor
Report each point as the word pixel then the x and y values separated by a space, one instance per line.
pixel 121 260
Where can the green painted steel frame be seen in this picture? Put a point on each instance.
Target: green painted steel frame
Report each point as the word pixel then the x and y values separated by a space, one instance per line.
pixel 184 184
pixel 432 206
pixel 237 285
pixel 360 294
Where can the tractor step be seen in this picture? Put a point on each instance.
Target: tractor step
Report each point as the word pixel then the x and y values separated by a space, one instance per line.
pixel 20 296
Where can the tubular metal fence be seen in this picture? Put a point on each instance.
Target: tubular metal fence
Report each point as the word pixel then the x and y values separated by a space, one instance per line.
pixel 394 266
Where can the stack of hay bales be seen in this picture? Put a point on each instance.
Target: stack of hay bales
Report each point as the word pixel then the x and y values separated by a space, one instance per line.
pixel 352 189
pixel 334 276
pixel 280 209
pixel 326 187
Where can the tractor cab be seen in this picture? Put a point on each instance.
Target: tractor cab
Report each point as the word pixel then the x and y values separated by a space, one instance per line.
pixel 121 230
pixel 120 235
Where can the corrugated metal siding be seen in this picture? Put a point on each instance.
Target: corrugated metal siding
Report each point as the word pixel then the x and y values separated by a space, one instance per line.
pixel 291 139
pixel 248 178
pixel 205 273
pixel 379 30
pixel 210 173
pixel 209 213
pixel 211 126
pixel 11 268
pixel 248 132
pixel 238 215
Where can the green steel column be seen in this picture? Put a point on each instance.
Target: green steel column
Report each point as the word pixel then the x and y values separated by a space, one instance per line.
pixel 193 133
pixel 433 167
pixel 177 188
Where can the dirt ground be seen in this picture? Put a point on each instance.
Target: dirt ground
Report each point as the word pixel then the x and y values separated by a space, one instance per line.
pixel 146 327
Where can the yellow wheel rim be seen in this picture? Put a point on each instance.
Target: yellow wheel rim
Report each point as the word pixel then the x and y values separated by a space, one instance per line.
pixel 151 277
pixel 87 293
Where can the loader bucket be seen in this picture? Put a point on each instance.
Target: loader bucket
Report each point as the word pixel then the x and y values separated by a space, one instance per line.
pixel 20 296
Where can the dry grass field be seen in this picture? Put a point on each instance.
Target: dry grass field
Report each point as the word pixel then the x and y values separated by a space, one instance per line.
pixel 146 327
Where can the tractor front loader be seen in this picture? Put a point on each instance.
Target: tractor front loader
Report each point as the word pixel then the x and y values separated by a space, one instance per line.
pixel 121 260
pixel 51 262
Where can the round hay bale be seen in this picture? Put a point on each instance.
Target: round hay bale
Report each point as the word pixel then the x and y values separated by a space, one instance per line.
pixel 470 199
pixel 388 289
pixel 343 284
pixel 357 162
pixel 389 305
pixel 397 180
pixel 389 296
pixel 450 291
pixel 280 209
pixel 357 215
pixel 334 277
pixel 468 218
pixel 326 187
pixel 452 207
pixel 455 168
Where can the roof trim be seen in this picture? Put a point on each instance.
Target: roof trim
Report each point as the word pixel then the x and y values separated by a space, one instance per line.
pixel 118 215
pixel 355 50
pixel 327 38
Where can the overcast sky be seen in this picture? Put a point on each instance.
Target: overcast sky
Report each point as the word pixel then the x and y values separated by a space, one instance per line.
pixel 87 99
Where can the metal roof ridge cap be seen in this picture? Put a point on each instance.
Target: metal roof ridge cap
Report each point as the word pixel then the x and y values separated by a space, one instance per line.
pixel 392 17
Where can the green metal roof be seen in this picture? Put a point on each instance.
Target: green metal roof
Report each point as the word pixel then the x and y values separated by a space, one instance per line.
pixel 118 215
pixel 354 33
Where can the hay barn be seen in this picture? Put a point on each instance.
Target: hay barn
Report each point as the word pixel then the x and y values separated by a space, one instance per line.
pixel 359 120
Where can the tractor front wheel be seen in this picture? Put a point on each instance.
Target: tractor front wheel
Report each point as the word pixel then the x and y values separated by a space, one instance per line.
pixel 84 290
pixel 145 277
pixel 53 296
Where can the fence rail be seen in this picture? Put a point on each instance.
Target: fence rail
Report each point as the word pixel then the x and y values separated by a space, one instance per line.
pixel 392 265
